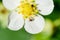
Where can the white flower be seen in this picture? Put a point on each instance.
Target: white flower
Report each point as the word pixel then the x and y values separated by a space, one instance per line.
pixel 26 13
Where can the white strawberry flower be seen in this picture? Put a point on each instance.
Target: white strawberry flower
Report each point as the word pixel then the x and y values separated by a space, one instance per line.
pixel 26 13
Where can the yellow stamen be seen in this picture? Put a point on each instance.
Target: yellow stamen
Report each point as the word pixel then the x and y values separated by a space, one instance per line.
pixel 27 9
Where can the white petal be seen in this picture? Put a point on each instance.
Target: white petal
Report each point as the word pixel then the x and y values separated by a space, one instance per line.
pixel 35 26
pixel 16 21
pixel 11 4
pixel 46 6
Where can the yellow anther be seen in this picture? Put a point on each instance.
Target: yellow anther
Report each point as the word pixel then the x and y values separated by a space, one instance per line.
pixel 27 9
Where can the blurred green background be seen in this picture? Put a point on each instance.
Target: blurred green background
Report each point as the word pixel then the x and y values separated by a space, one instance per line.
pixel 50 32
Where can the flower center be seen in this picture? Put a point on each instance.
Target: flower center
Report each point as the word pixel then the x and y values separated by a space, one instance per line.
pixel 27 8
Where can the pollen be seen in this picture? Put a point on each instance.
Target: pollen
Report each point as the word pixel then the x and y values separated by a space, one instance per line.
pixel 27 9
